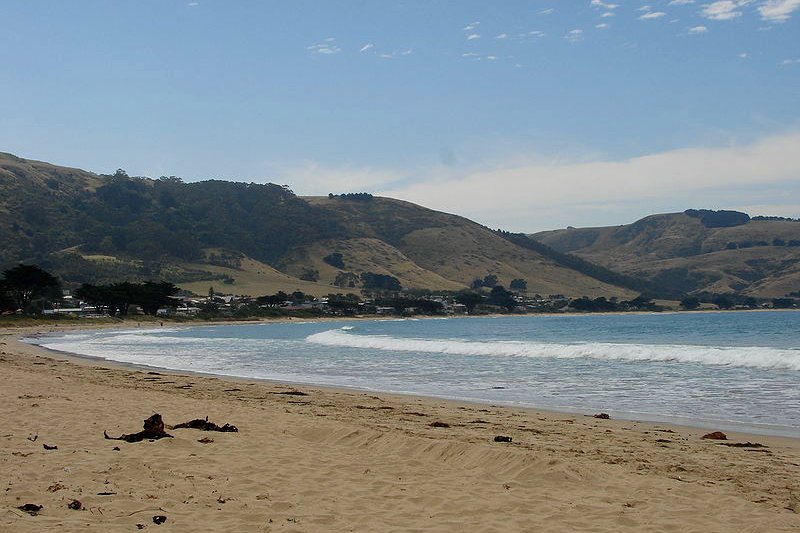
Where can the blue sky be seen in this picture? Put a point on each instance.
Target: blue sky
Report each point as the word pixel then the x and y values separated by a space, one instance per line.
pixel 525 115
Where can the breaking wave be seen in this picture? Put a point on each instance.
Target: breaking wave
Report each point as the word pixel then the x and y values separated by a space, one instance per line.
pixel 733 356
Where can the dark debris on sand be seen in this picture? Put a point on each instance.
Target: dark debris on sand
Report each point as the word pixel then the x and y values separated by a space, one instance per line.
pixel 31 508
pixel 205 425
pixel 153 430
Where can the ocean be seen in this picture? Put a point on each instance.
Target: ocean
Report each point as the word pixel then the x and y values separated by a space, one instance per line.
pixel 732 370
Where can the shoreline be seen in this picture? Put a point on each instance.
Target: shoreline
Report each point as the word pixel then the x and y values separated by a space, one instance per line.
pixel 111 322
pixel 752 430
pixel 341 460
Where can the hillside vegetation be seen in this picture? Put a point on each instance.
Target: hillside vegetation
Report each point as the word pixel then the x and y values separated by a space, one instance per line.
pixel 694 251
pixel 254 238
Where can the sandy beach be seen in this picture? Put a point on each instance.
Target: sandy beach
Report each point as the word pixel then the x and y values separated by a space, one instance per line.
pixel 339 460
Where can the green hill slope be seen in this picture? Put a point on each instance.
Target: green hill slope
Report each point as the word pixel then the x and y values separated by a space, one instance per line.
pixel 252 238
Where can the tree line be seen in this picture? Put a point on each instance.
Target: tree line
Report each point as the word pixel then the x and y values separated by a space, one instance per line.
pixel 29 289
pixel 117 298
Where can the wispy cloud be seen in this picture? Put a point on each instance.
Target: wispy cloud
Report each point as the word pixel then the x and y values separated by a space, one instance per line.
pixel 603 5
pixel 501 36
pixel 724 9
pixel 681 2
pixel 326 47
pixel 652 15
pixel 787 62
pixel 778 10
pixel 602 26
pixel 547 11
pixel 744 55
pixel 396 53
pixel 471 26
pixel 574 36
pixel 473 36
pixel 366 47
pixel 697 30
pixel 606 6
pixel 478 57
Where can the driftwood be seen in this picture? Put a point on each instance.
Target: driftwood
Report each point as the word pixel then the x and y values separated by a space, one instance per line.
pixel 153 430
pixel 205 425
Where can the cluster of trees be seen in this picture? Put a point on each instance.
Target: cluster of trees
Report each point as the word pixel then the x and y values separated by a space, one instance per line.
pixel 719 219
pixel 24 286
pixel 518 284
pixel 309 274
pixel 777 241
pixel 225 259
pixel 730 301
pixel 280 297
pixel 380 282
pixel 721 301
pixel 489 281
pixel 498 297
pixel 401 303
pixel 116 298
pixel 166 217
pixel 346 280
pixel 335 260
pixel 784 219
pixel 784 303
pixel 354 196
pixel 602 304
pixel 30 289
pixel 153 220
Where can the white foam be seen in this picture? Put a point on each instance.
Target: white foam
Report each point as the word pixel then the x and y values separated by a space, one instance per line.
pixel 753 357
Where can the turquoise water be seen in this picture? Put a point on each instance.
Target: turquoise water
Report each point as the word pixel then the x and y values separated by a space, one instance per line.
pixel 729 370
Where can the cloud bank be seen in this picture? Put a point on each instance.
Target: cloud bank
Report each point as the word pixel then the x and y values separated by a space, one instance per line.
pixel 513 195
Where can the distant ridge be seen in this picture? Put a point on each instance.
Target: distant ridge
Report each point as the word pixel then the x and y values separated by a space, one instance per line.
pixel 696 251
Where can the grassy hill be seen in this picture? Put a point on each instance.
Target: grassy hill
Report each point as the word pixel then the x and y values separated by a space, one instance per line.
pixel 757 257
pixel 253 238
pixel 456 249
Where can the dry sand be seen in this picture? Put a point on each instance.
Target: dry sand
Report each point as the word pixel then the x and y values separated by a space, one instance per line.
pixel 338 460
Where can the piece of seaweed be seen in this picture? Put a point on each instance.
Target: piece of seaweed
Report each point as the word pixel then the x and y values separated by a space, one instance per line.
pixel 153 430
pixel 205 425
